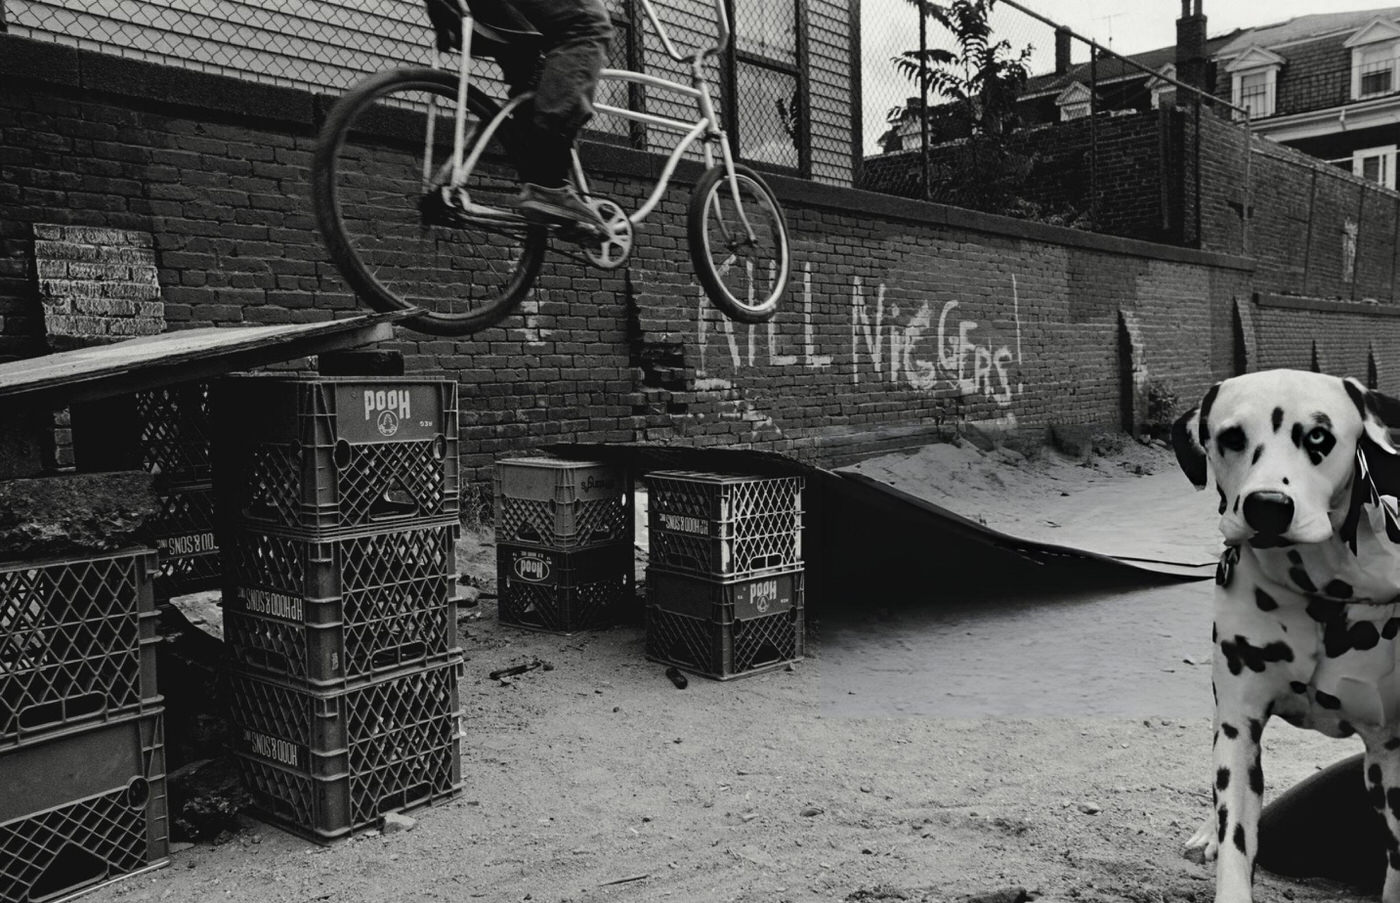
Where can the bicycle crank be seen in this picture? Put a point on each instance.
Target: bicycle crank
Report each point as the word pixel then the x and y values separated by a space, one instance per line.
pixel 614 248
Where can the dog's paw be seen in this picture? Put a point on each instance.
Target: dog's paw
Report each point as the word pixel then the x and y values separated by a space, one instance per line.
pixel 1202 846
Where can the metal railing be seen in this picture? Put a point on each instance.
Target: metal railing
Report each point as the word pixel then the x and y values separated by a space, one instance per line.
pixel 1080 136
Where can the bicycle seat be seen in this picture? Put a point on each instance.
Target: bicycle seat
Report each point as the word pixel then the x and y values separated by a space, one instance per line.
pixel 495 24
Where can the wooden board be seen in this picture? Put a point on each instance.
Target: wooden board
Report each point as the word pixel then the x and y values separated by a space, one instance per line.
pixel 101 371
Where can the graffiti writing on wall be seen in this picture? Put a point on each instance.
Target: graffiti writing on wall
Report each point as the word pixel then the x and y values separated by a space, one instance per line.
pixel 920 345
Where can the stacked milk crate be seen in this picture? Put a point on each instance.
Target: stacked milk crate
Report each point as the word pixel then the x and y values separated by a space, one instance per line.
pixel 725 579
pixel 564 559
pixel 166 432
pixel 341 500
pixel 82 797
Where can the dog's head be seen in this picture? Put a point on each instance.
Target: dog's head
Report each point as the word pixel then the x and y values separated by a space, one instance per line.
pixel 1282 446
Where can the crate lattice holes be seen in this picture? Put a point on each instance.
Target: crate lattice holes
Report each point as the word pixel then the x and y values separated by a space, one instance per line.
pixel 327 764
pixel 721 525
pixel 83 808
pixel 336 610
pixel 77 642
pixel 339 453
pixel 725 629
pixel 165 431
pixel 555 504
pixel 186 542
pixel 560 591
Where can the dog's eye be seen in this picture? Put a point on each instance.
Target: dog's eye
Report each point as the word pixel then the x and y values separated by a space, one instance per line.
pixel 1232 439
pixel 1319 440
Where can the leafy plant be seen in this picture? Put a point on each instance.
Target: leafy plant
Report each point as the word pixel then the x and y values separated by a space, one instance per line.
pixel 974 89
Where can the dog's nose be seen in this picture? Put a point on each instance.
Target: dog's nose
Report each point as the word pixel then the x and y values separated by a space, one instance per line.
pixel 1268 512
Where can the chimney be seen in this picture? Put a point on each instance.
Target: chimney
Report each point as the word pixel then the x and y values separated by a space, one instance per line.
pixel 1063 49
pixel 1191 46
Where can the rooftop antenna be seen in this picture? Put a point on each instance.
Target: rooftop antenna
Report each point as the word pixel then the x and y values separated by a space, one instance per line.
pixel 1109 19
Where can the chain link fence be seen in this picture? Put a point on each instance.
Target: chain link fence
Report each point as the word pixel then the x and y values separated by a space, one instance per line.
pixel 762 84
pixel 1009 113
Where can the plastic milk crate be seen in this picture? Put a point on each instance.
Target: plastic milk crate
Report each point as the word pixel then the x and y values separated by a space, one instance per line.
pixel 553 504
pixel 186 542
pixel 77 642
pixel 725 628
pixel 330 454
pixel 564 591
pixel 331 611
pixel 717 525
pixel 165 431
pixel 327 764
pixel 83 808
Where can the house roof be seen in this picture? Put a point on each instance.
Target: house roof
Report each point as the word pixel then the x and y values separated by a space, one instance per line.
pixel 1303 27
pixel 1113 68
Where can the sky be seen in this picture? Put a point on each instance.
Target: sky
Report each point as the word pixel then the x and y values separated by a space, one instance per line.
pixel 1125 26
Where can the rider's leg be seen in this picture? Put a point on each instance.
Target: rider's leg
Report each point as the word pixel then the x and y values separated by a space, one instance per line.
pixel 578 33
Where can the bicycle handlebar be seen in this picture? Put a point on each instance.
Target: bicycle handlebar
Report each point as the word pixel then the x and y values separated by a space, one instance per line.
pixel 721 41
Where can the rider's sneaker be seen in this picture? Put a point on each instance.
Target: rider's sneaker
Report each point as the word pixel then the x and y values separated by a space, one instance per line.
pixel 562 206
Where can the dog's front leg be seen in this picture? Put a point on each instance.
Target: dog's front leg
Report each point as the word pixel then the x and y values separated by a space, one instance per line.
pixel 1383 786
pixel 1242 710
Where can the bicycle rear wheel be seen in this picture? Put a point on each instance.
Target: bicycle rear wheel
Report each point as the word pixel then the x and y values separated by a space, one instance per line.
pixel 744 278
pixel 382 156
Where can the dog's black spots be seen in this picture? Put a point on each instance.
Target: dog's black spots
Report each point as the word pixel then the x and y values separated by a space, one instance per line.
pixel 1277 419
pixel 1256 779
pixel 1376 797
pixel 1256 729
pixel 1297 435
pixel 1344 729
pixel 1222 818
pixel 1229 730
pixel 1264 600
pixel 1393 744
pixel 1223 502
pixel 1297 686
pixel 1239 838
pixel 1323 611
pixel 1258 453
pixel 1295 720
pixel 1336 639
pixel 1285 481
pixel 1391 628
pixel 1357 397
pixel 1295 557
pixel 1392 800
pixel 1364 636
pixel 1301 578
pixel 1394 858
pixel 1338 589
pixel 1373 774
pixel 1203 420
pixel 1222 778
pixel 1214 633
pixel 1241 654
pixel 1327 700
pixel 1232 439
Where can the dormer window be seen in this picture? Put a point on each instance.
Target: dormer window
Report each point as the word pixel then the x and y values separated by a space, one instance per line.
pixel 1375 52
pixel 1163 92
pixel 1254 81
pixel 1074 102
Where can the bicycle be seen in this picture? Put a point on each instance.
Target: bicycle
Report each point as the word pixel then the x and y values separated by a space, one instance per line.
pixel 412 186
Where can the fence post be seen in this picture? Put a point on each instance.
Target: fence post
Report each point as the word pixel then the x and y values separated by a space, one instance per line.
pixel 1247 197
pixel 923 98
pixel 1094 137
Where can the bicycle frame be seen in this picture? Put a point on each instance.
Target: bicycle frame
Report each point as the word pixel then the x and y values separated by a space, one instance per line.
pixel 706 128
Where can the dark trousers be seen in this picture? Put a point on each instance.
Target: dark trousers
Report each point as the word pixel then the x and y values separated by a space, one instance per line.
pixel 576 38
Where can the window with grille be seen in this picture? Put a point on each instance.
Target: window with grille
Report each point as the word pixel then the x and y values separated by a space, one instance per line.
pixel 1375 164
pixel 766 85
pixel 1256 94
pixel 1375 70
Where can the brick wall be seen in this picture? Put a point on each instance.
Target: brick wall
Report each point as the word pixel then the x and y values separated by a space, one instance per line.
pixel 905 320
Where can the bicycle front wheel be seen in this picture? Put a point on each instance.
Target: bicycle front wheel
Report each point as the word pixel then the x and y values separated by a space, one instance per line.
pixel 382 157
pixel 739 245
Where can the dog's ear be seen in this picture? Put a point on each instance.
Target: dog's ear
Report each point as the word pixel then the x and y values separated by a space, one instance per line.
pixel 1378 413
pixel 1190 453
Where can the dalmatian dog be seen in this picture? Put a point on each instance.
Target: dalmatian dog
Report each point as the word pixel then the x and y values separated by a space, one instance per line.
pixel 1307 597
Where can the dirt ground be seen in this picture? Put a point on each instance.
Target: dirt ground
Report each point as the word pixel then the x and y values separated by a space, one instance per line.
pixel 598 780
